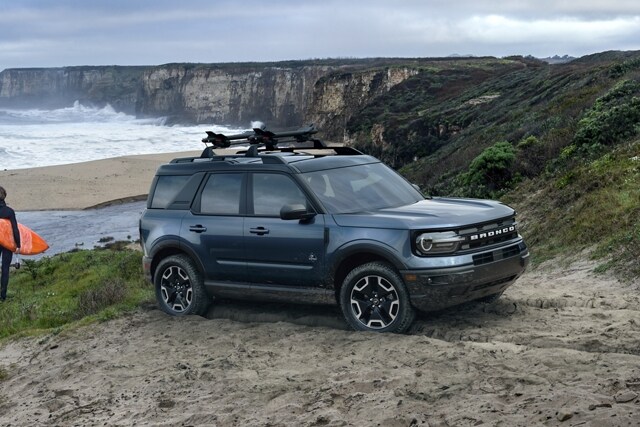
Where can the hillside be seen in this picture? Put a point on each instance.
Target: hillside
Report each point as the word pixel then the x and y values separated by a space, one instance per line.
pixel 559 142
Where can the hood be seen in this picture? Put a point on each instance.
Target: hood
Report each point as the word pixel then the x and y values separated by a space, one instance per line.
pixel 436 213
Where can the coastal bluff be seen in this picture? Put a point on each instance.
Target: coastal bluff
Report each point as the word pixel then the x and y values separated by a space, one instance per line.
pixel 281 94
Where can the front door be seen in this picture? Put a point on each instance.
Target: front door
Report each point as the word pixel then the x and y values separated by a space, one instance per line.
pixel 281 252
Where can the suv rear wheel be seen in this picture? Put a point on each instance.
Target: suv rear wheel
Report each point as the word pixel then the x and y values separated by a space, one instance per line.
pixel 373 297
pixel 179 287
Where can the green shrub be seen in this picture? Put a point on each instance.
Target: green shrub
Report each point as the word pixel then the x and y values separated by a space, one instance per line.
pixel 531 157
pixel 491 171
pixel 614 117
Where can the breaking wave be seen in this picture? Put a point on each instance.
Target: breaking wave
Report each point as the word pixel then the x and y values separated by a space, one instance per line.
pixel 35 137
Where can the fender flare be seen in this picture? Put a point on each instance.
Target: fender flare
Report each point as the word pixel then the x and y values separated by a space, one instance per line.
pixel 177 243
pixel 365 246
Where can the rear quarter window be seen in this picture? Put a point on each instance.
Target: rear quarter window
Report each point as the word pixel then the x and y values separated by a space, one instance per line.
pixel 166 189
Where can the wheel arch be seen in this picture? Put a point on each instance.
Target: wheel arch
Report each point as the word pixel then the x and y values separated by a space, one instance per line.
pixel 172 247
pixel 358 255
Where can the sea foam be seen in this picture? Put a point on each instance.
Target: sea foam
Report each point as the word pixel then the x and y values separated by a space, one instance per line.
pixel 33 138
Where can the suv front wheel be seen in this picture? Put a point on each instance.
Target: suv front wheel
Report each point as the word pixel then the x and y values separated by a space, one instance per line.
pixel 179 287
pixel 373 297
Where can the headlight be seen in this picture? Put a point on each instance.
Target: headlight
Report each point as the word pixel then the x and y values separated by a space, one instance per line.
pixel 438 243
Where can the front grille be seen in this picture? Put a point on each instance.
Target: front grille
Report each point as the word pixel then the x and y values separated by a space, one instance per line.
pixel 498 254
pixel 488 234
pixel 485 258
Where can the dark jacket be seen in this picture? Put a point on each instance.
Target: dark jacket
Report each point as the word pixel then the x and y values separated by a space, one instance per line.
pixel 8 213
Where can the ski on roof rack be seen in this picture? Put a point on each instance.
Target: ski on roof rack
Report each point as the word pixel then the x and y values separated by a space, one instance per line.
pixel 262 136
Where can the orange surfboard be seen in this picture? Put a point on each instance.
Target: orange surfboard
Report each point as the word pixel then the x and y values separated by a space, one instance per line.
pixel 30 242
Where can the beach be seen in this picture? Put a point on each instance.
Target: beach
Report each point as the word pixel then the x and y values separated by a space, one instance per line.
pixel 83 185
pixel 560 347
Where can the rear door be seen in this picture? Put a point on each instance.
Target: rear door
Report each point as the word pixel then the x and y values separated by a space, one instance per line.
pixel 214 226
pixel 281 252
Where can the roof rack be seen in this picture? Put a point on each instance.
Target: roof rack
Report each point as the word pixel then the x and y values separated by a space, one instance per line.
pixel 260 137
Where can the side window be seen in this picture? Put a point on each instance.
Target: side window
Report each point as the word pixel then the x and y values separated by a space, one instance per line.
pixel 272 191
pixel 167 188
pixel 221 194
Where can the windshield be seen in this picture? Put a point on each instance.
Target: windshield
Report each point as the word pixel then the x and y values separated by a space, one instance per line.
pixel 361 188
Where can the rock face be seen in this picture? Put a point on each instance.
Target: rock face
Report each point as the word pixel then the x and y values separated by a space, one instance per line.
pixel 280 94
pixel 60 87
pixel 338 96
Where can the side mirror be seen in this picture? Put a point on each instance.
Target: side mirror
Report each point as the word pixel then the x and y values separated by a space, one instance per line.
pixel 296 211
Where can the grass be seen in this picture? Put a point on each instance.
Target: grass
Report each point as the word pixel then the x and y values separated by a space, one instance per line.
pixel 84 286
pixel 594 205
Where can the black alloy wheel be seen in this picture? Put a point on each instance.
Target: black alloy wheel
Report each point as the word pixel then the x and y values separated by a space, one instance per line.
pixel 179 287
pixel 374 298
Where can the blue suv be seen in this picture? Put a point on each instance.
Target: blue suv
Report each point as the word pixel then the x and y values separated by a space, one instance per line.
pixel 322 225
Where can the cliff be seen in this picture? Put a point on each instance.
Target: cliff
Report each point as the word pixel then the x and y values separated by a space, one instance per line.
pixel 60 87
pixel 288 94
pixel 339 96
pixel 278 96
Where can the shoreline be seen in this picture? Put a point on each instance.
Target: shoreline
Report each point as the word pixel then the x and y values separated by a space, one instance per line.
pixel 85 185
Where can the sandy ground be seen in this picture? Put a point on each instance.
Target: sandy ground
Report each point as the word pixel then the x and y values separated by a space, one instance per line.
pixel 562 347
pixel 83 185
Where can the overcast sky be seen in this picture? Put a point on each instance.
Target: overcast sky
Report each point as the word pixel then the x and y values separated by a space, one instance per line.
pixel 54 33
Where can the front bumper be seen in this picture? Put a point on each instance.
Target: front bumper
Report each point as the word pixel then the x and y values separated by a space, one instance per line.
pixel 490 273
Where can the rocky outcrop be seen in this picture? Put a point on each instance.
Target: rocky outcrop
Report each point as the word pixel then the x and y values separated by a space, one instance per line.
pixel 60 87
pixel 337 97
pixel 279 94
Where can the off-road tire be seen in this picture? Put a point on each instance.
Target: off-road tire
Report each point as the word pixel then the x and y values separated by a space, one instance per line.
pixel 373 297
pixel 180 288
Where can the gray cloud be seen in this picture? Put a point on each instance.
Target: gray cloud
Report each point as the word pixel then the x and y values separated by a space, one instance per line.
pixel 36 33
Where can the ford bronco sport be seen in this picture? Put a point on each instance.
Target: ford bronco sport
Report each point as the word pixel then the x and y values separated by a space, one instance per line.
pixel 320 224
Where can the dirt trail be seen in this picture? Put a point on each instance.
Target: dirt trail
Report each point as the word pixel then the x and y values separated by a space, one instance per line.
pixel 562 347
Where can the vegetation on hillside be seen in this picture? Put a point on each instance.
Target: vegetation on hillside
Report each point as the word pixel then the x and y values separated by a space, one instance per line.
pixel 593 205
pixel 71 288
pixel 556 141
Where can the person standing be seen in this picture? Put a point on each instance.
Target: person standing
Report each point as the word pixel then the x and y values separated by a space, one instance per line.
pixel 5 254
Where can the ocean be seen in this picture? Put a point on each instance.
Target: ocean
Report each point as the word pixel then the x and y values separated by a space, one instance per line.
pixel 33 138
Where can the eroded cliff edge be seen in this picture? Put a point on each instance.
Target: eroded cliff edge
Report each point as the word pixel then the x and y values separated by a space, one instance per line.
pixel 287 94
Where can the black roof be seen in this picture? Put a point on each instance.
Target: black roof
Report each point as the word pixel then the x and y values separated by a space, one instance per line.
pixel 283 161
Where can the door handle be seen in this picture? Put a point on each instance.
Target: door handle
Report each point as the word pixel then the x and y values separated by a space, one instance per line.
pixel 197 228
pixel 260 231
